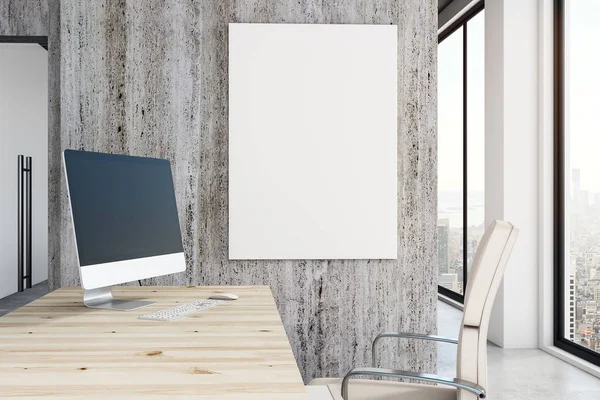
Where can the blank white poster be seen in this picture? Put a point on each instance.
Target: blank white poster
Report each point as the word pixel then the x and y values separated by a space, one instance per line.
pixel 312 141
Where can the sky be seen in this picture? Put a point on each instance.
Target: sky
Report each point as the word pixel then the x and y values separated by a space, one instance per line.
pixel 450 108
pixel 582 91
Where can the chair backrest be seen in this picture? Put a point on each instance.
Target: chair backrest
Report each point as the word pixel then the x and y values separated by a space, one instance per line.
pixel 485 276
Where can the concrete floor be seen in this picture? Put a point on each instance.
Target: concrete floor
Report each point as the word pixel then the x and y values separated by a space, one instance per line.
pixel 529 374
pixel 520 374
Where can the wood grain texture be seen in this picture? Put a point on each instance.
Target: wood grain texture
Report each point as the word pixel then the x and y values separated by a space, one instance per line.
pixel 55 348
pixel 150 78
pixel 24 18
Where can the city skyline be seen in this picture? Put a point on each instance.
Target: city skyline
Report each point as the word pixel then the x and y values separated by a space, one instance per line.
pixel 582 263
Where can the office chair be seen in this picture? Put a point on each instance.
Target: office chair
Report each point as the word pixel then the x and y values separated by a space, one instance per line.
pixel 486 273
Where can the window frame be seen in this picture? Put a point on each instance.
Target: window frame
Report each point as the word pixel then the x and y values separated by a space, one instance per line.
pixel 462 22
pixel 560 327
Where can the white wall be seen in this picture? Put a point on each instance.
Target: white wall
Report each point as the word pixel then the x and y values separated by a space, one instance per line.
pixel 23 130
pixel 546 168
pixel 512 161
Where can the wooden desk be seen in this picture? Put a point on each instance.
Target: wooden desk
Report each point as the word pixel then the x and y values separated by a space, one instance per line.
pixel 55 348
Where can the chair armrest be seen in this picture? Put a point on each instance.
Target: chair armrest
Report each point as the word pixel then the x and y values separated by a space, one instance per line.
pixel 458 383
pixel 408 336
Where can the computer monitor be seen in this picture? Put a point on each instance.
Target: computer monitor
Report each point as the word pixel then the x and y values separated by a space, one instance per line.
pixel 125 222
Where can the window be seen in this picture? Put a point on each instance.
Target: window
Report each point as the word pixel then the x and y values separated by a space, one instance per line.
pixel 577 183
pixel 461 81
pixel 450 162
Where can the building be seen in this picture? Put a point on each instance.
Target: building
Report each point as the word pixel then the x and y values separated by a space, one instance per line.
pixel 572 307
pixel 579 311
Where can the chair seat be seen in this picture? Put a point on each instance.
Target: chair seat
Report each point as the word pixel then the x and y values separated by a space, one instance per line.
pixel 318 393
pixel 365 389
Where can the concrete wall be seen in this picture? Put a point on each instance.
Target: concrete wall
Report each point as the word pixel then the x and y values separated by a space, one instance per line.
pixel 150 78
pixel 24 18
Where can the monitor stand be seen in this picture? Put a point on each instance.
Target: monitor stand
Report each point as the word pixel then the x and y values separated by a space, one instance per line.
pixel 103 298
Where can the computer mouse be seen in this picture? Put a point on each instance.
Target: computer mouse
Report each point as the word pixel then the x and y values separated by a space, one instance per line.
pixel 223 296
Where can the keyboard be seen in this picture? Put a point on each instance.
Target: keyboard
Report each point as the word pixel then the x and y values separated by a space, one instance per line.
pixel 180 311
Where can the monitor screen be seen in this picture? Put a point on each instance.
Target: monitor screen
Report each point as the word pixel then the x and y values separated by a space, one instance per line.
pixel 123 207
